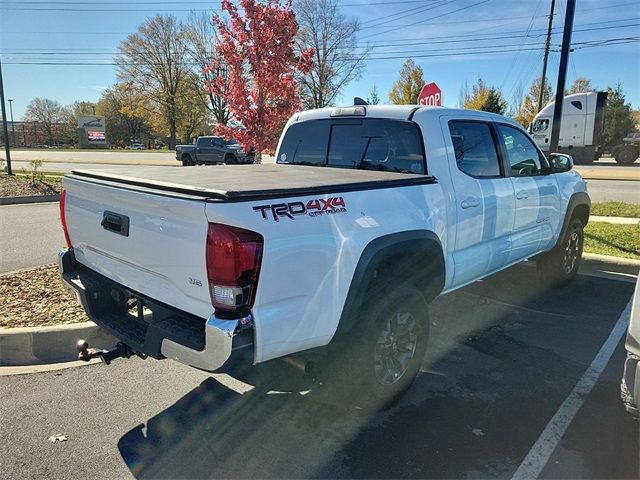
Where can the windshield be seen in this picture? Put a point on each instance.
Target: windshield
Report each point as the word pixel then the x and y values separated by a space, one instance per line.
pixel 367 144
pixel 540 125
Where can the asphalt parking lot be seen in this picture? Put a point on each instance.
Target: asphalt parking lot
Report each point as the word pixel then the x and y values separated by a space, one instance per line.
pixel 504 355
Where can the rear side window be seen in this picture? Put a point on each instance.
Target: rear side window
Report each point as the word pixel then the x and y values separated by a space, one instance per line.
pixel 367 144
pixel 474 148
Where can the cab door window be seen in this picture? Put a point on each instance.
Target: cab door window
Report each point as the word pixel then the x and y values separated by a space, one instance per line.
pixel 474 149
pixel 523 158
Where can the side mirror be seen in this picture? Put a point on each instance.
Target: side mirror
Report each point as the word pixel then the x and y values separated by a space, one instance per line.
pixel 560 162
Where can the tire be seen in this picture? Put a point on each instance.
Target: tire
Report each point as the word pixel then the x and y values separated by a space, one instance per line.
pixel 626 154
pixel 379 360
pixel 187 161
pixel 230 160
pixel 558 267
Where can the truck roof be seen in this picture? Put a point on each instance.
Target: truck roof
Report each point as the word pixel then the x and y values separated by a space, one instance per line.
pixel 250 182
pixel 399 112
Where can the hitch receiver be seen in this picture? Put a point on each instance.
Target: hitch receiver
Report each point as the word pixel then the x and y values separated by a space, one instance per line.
pixel 120 350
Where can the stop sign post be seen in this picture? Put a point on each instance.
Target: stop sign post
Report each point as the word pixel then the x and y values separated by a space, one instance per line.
pixel 430 95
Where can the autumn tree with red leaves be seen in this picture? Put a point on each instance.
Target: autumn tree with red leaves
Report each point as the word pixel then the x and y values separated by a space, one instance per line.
pixel 257 49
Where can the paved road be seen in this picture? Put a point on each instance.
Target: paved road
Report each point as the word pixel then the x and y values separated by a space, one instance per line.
pixel 504 354
pixel 93 156
pixel 30 235
pixel 619 190
pixel 65 161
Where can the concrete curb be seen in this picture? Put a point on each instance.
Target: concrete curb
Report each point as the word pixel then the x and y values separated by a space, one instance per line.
pixel 43 345
pixel 611 264
pixel 611 178
pixel 616 220
pixel 29 199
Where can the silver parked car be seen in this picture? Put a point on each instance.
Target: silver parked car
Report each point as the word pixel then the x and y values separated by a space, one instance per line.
pixel 630 386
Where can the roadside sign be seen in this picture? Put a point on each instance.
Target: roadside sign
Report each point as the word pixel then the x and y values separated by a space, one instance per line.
pixel 430 95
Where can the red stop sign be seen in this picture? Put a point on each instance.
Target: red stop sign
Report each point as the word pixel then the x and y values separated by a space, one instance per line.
pixel 430 95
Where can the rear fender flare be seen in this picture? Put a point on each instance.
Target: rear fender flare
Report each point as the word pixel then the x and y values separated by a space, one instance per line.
pixel 414 255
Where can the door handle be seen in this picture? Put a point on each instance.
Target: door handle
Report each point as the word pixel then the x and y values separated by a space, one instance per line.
pixel 522 195
pixel 470 202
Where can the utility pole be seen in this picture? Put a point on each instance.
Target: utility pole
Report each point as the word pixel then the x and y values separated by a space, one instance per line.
pixel 4 124
pixel 13 125
pixel 562 75
pixel 546 56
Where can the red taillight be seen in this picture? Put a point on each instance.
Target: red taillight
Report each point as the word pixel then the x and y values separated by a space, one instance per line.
pixel 233 265
pixel 63 217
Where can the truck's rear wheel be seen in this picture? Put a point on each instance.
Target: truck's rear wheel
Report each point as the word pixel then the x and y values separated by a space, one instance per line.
pixel 187 161
pixel 380 359
pixel 559 266
pixel 627 154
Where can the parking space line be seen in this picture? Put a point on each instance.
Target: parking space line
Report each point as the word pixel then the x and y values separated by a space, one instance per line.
pixel 543 448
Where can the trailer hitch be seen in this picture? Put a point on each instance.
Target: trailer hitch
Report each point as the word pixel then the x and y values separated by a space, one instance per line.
pixel 120 350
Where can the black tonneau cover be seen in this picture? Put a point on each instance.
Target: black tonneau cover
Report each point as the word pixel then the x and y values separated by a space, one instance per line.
pixel 251 182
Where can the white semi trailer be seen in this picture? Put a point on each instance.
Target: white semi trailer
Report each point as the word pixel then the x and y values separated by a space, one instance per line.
pixel 581 129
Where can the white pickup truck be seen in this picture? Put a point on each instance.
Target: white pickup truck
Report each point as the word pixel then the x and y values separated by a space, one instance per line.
pixel 335 251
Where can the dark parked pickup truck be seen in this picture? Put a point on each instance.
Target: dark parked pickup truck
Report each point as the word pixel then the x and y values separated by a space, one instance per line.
pixel 213 150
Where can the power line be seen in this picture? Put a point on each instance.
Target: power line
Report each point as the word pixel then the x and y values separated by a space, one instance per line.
pixel 432 18
pixel 426 41
pixel 207 2
pixel 414 11
pixel 44 6
pixel 49 32
pixel 471 52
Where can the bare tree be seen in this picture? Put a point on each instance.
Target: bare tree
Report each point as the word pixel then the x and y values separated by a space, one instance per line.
pixel 154 62
pixel 200 35
pixel 580 85
pixel 333 38
pixel 48 113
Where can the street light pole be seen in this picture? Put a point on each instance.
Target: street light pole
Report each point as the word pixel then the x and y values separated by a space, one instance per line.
pixel 13 125
pixel 4 124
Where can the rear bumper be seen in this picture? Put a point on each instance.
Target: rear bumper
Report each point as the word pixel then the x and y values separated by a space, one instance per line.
pixel 153 328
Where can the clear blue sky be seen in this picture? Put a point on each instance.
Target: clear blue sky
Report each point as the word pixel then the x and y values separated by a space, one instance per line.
pixel 460 33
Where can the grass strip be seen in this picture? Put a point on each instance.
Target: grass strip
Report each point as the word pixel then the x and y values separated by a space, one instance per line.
pixel 612 239
pixel 615 209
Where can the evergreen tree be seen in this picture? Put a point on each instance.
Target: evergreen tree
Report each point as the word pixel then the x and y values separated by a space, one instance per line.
pixel 374 98
pixel 618 118
pixel 494 102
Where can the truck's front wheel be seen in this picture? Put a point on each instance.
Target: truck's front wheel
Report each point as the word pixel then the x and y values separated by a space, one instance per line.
pixel 381 358
pixel 559 266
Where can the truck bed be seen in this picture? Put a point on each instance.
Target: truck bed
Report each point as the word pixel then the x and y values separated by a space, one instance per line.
pixel 251 182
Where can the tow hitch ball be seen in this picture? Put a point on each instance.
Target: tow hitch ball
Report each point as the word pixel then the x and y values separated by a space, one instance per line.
pixel 120 350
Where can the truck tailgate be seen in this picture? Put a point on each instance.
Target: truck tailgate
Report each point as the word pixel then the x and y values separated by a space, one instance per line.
pixel 162 252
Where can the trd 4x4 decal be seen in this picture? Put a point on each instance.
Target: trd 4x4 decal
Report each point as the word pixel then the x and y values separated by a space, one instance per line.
pixel 313 208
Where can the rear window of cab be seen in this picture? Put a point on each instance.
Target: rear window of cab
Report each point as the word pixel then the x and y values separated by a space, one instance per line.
pixel 361 143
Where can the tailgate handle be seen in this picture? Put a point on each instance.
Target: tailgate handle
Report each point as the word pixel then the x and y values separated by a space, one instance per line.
pixel 116 223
